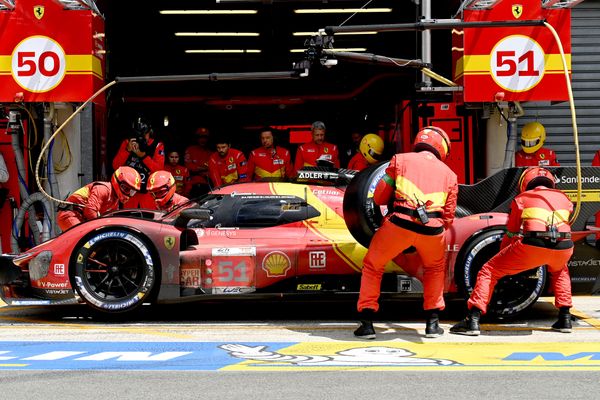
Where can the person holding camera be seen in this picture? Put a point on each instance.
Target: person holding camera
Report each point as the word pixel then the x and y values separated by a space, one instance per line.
pixel 144 154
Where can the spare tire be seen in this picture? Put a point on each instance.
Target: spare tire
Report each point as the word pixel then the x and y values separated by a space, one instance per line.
pixel 363 217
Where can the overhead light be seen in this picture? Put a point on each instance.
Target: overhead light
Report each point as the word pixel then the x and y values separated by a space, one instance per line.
pixel 224 51
pixel 336 33
pixel 340 49
pixel 166 120
pixel 341 10
pixel 217 34
pixel 179 12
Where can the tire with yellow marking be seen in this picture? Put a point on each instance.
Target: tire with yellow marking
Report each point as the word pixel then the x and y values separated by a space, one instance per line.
pixel 362 216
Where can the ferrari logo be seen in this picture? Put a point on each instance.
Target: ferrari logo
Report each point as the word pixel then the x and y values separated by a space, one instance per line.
pixel 517 10
pixel 38 11
pixel 169 242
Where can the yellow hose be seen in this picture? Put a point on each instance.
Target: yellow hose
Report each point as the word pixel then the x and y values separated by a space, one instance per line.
pixel 574 121
pixel 60 128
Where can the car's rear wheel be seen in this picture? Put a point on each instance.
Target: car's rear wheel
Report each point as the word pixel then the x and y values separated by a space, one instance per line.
pixel 114 271
pixel 513 294
pixel 363 217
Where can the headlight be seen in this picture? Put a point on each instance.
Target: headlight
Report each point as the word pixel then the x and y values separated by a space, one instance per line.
pixel 38 267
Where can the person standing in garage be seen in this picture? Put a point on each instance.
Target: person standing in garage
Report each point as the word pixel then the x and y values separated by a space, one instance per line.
pixel 424 192
pixel 269 162
pixel 370 151
pixel 318 149
pixel 538 233
pixel 227 165
pixel 533 153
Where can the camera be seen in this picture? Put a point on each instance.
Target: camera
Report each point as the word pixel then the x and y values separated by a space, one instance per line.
pixel 140 139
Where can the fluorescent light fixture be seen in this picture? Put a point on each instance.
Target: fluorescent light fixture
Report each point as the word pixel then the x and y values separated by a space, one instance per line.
pixel 180 12
pixel 337 33
pixel 341 10
pixel 217 34
pixel 222 51
pixel 340 49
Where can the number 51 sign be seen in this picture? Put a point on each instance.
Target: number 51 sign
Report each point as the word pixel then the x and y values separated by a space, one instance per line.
pixel 513 64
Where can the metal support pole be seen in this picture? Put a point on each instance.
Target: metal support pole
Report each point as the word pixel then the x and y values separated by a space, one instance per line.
pixel 426 42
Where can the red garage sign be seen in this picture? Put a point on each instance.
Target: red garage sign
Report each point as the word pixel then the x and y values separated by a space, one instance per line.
pixel 513 63
pixel 49 53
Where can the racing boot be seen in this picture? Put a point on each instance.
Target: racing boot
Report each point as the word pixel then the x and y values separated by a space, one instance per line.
pixel 564 321
pixel 470 325
pixel 365 330
pixel 432 326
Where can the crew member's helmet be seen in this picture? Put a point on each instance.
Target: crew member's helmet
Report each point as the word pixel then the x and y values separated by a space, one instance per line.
pixel 533 136
pixel 161 186
pixel 141 126
pixel 371 147
pixel 434 139
pixel 126 181
pixel 533 177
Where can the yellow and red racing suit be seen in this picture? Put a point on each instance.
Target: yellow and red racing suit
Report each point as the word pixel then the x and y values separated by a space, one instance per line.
pixel 358 162
pixel 229 169
pixel 526 245
pixel 182 178
pixel 264 164
pixel 97 198
pixel 308 153
pixel 412 180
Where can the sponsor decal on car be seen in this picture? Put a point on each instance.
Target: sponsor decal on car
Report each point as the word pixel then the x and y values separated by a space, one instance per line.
pixel 169 242
pixel 308 286
pixel 233 251
pixel 276 263
pixel 59 269
pixel 317 259
pixel 190 277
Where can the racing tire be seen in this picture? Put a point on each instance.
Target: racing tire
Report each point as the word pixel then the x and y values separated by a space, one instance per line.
pixel 114 271
pixel 513 294
pixel 362 216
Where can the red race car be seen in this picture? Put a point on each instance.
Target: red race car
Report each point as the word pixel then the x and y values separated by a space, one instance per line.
pixel 267 239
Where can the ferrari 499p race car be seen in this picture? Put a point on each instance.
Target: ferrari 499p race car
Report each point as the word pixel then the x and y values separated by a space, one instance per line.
pixel 266 239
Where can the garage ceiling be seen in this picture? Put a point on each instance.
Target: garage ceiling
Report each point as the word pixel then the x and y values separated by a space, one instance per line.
pixel 153 38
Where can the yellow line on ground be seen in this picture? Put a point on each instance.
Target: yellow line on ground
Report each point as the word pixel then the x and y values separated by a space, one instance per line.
pixel 586 318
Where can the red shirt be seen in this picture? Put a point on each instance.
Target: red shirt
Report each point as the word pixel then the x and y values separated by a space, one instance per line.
pixel 419 178
pixel 229 169
pixel 272 163
pixel 98 198
pixel 358 162
pixel 541 158
pixel 195 158
pixel 176 201
pixel 308 153
pixel 182 178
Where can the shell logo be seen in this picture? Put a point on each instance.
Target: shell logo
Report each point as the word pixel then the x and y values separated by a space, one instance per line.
pixel 276 263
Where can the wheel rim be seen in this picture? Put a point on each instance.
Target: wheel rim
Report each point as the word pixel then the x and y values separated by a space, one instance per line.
pixel 113 270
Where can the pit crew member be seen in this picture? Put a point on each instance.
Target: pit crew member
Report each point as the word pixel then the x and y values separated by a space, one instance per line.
pixel 162 187
pixel 269 162
pixel 532 153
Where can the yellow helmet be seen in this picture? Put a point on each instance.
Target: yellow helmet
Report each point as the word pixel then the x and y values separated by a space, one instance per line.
pixel 533 136
pixel 371 147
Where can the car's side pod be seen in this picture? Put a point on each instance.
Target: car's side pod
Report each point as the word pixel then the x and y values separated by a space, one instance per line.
pixel 185 216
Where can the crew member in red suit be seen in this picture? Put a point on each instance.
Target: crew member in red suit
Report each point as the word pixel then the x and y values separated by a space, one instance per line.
pixel 143 153
pixel 533 154
pixel 196 160
pixel 370 151
pixel 227 165
pixel 98 198
pixel 538 233
pixel 424 191
pixel 162 186
pixel 269 162
pixel 180 173
pixel 318 150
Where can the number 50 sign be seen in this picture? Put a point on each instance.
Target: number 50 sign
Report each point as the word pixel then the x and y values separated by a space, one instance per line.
pixel 38 64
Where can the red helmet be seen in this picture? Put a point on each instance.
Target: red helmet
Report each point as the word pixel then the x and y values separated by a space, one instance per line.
pixel 536 176
pixel 161 185
pixel 434 139
pixel 126 181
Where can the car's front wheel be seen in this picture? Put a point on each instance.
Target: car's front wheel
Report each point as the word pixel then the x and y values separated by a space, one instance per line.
pixel 114 271
pixel 513 294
